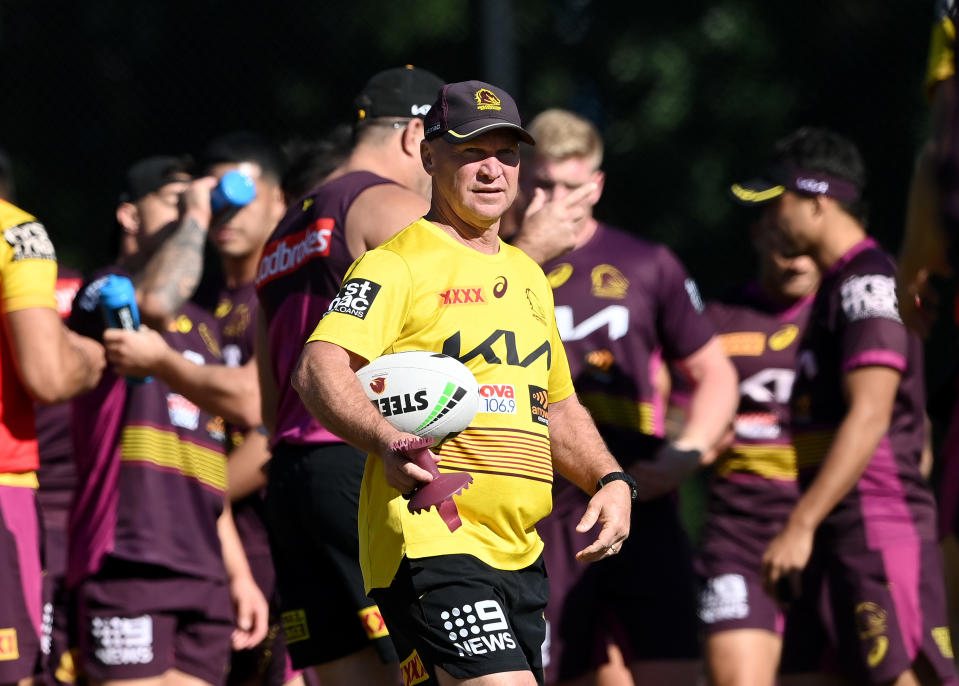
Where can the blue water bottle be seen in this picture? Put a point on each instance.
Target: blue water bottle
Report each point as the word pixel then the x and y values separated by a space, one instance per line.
pixel 235 190
pixel 118 302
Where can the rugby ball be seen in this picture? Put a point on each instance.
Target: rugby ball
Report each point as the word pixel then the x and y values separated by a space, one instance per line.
pixel 421 392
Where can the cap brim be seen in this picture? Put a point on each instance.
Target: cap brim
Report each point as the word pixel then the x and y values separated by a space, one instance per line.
pixel 756 191
pixel 480 127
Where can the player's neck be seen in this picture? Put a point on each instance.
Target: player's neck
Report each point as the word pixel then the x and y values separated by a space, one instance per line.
pixel 239 271
pixel 841 237
pixel 369 159
pixel 484 239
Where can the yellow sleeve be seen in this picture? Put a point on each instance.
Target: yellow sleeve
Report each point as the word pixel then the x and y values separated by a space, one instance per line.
pixel 560 380
pixel 942 46
pixel 29 268
pixel 367 315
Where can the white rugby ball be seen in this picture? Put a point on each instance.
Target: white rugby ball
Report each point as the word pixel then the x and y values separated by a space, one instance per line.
pixel 421 392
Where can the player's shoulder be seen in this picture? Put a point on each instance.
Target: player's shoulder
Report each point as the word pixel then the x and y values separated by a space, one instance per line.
pixel 24 238
pixel 615 240
pixel 404 251
pixel 11 215
pixel 869 259
pixel 865 286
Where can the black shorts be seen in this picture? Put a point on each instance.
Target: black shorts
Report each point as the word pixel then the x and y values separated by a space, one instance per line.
pixel 311 508
pixel 458 613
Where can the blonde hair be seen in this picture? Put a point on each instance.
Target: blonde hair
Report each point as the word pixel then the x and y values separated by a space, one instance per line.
pixel 560 134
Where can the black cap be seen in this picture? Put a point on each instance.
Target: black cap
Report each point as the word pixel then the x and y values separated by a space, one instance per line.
pixel 153 173
pixel 781 178
pixel 468 109
pixel 400 92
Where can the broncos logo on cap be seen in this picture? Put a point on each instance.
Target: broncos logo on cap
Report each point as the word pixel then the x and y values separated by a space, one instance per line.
pixel 487 100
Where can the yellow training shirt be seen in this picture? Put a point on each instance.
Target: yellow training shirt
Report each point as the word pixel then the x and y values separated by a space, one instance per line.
pixel 423 290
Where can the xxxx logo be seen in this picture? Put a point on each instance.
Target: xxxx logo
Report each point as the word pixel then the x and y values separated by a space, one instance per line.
pixel 414 672
pixel 461 296
pixel 373 622
pixel 8 645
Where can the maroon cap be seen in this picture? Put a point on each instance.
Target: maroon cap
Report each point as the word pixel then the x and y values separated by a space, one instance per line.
pixel 781 178
pixel 469 109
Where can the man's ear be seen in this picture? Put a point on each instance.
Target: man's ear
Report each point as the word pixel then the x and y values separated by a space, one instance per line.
pixel 426 157
pixel 599 178
pixel 128 217
pixel 412 136
pixel 821 204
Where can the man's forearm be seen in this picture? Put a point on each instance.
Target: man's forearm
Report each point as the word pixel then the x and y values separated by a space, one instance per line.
pixel 173 273
pixel 579 452
pixel 53 363
pixel 234 559
pixel 327 384
pixel 231 392
pixel 714 399
pixel 848 456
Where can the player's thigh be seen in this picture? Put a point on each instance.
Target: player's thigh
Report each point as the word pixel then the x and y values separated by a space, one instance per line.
pixel 813 679
pixel 500 679
pixel 743 657
pixel 671 672
pixel 364 666
pixel 615 672
pixel 159 680
pixel 177 678
pixel 20 583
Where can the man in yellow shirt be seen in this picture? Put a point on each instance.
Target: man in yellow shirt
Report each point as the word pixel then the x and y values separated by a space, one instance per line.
pixel 467 604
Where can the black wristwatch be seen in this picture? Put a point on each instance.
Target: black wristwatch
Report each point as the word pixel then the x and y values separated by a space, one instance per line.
pixel 619 476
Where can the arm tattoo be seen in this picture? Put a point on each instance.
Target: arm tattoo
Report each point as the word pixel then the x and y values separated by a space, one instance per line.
pixel 173 272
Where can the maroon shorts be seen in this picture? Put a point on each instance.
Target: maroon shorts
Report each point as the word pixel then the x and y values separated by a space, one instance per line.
pixel 869 614
pixel 138 621
pixel 58 639
pixel 643 599
pixel 744 513
pixel 20 591
pixel 736 600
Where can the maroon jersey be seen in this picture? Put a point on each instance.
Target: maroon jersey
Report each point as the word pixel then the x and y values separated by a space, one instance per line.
pixel 855 323
pixel 57 473
pixel 236 311
pixel 753 488
pixel 150 464
pixel 622 305
pixel 301 271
